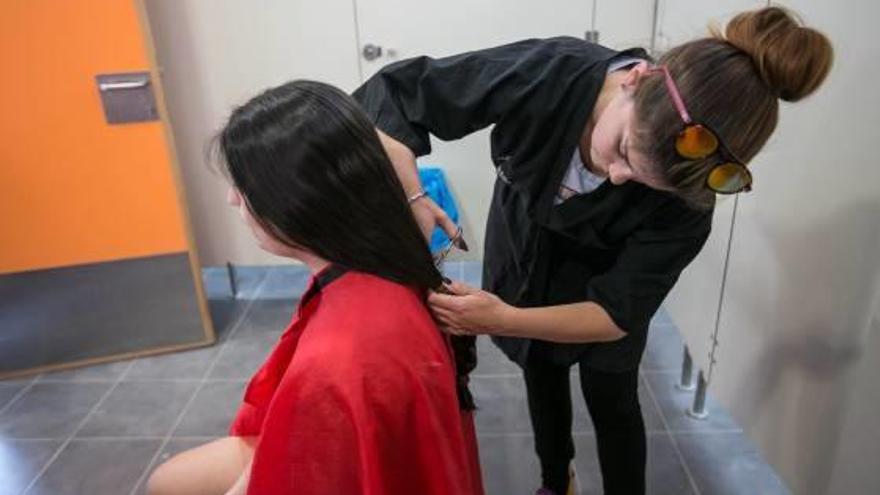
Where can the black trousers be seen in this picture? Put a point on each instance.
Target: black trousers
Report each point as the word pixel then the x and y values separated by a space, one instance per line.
pixel 613 402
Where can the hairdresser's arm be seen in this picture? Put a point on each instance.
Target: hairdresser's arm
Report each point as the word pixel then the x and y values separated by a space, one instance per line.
pixel 618 302
pixel 427 213
pixel 468 310
pixel 449 98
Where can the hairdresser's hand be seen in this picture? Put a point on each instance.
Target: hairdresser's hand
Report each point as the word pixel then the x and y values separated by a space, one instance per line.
pixel 429 215
pixel 467 310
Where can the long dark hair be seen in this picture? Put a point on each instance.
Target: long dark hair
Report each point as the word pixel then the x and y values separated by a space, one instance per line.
pixel 311 169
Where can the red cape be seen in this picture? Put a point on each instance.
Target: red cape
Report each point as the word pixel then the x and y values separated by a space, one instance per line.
pixel 359 397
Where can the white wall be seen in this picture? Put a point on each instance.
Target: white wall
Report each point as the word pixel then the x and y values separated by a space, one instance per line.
pixel 214 54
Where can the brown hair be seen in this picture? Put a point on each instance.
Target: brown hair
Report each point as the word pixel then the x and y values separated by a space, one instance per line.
pixel 732 82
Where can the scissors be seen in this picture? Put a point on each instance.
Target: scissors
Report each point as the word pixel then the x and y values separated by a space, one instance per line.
pixel 441 255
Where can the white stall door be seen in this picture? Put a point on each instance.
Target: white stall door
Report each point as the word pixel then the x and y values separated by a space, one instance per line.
pixel 795 327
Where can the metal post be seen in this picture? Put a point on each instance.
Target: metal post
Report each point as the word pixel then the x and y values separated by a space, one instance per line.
pixel 687 372
pixel 230 272
pixel 698 409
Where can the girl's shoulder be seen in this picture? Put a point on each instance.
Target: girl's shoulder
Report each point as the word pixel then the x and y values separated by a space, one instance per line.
pixel 365 312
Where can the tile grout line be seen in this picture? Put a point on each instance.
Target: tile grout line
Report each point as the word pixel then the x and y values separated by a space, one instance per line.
pixel 684 465
pixel 151 380
pixel 496 375
pixel 18 395
pixel 111 438
pixel 201 385
pixel 575 433
pixel 76 430
pixel 660 371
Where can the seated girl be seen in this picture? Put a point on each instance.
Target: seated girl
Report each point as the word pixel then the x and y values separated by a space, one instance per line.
pixel 360 394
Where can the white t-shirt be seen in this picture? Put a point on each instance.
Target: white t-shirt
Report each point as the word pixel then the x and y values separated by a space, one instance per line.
pixel 579 180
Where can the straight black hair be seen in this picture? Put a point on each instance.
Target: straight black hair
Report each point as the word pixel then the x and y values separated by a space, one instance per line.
pixel 311 169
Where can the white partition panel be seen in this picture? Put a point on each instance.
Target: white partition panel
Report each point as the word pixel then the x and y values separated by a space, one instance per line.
pixel 795 320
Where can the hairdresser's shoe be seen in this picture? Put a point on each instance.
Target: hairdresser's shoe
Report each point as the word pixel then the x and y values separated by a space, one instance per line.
pixel 572 484
pixel 572 480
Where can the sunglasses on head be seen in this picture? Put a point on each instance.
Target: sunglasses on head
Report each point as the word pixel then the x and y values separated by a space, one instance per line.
pixel 697 141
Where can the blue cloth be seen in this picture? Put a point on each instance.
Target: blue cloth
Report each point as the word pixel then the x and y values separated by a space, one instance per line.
pixel 434 183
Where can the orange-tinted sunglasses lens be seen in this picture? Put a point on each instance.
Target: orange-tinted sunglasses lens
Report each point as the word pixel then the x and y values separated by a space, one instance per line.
pixel 729 178
pixel 696 142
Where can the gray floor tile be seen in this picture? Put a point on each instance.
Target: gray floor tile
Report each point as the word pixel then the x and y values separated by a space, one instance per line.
pixel 586 462
pixel 50 410
pixel 21 461
pixel 509 465
pixel 491 361
pixel 727 464
pixel 8 391
pixel 472 273
pixel 666 475
pixel 501 403
pixel 674 403
pixel 183 365
pixel 286 282
pixel 139 409
pixel 212 410
pixel 225 313
pixel 109 372
pixel 453 270
pixel 240 358
pixel 664 350
pixel 653 418
pixel 267 317
pixel 97 467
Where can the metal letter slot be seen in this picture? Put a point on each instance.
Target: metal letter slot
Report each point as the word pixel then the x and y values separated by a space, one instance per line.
pixel 127 97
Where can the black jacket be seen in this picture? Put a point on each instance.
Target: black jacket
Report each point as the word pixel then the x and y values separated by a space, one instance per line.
pixel 622 247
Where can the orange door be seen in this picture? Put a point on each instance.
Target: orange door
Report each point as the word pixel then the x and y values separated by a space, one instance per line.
pixel 74 188
pixel 75 191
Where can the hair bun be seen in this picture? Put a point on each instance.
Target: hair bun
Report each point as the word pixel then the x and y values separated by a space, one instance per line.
pixel 792 59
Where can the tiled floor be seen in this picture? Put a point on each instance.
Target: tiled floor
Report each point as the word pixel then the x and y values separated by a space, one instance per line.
pixel 100 430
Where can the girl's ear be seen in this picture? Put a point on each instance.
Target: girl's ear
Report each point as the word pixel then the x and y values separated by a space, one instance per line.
pixel 233 197
pixel 634 76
